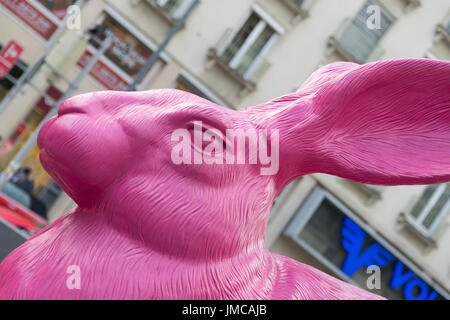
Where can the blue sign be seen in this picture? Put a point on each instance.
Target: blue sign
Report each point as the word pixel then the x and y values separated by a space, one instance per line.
pixel 353 239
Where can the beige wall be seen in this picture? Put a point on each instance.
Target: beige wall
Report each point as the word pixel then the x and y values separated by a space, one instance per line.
pixel 12 28
pixel 301 48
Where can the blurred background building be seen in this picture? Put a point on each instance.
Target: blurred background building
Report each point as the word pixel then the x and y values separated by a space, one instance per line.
pixel 240 53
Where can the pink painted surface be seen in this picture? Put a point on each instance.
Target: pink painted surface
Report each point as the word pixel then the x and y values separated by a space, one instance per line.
pixel 145 228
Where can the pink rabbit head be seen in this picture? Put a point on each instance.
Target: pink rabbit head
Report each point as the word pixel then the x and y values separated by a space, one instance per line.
pixel 150 226
pixel 382 123
pixel 112 153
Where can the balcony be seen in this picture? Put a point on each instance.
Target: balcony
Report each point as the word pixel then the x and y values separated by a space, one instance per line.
pixel 163 11
pixel 300 8
pixel 352 43
pixel 247 79
pixel 410 5
pixel 443 30
pixel 371 192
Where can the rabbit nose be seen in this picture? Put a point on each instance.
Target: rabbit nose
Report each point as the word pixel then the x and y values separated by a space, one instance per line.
pixel 94 103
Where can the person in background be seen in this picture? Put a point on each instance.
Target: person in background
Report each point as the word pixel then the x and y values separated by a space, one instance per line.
pixel 22 178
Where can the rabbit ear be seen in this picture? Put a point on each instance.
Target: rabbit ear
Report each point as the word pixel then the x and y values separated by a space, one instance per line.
pixel 385 122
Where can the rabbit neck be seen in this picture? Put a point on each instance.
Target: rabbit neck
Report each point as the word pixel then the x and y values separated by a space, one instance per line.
pixel 252 269
pixel 185 228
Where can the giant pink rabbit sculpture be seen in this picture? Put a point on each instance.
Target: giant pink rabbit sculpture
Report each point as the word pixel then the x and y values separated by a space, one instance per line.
pixel 146 228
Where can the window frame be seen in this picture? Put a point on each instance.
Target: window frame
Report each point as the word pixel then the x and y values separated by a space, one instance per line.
pixel 384 11
pixel 348 50
pixel 44 11
pixel 298 4
pixel 417 222
pixel 163 58
pixel 265 20
pixel 178 13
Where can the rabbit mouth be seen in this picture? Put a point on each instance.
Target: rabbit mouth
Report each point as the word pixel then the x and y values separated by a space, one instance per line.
pixel 67 108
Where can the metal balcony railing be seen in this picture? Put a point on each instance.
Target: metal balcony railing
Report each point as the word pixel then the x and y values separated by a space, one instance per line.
pixel 297 6
pixel 354 43
pixel 249 77
pixel 164 12
pixel 412 4
pixel 300 7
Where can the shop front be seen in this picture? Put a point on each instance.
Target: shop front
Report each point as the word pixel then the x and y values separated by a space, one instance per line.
pixel 44 188
pixel 129 51
pixel 339 240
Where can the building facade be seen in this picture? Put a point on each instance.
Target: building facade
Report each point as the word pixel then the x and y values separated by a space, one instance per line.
pixel 240 53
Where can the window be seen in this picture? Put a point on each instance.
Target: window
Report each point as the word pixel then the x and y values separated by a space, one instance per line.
pixel 374 35
pixel 431 208
pixel 127 52
pixel 356 39
pixel 241 52
pixel 361 40
pixel 175 8
pixel 11 78
pixel 300 8
pixel 249 45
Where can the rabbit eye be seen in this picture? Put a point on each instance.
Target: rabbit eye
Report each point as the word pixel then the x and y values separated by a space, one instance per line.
pixel 207 133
